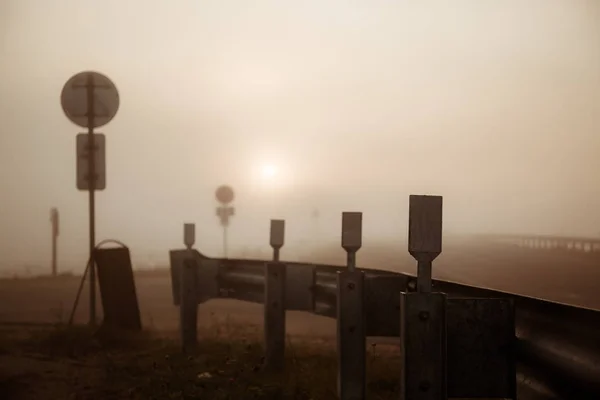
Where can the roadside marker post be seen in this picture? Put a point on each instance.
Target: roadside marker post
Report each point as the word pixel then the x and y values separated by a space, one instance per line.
pixel 188 284
pixel 274 301
pixel 351 322
pixel 189 235
pixel 423 313
pixel 277 237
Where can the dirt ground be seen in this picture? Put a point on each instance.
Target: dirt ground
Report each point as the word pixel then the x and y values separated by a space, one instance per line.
pixel 96 364
pixel 26 302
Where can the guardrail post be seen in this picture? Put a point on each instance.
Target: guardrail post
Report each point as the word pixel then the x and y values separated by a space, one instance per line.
pixel 423 314
pixel 188 304
pixel 351 329
pixel 189 235
pixel 274 320
pixel 277 237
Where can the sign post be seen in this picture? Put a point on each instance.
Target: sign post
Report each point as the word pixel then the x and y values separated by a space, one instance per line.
pixel 225 196
pixel 90 100
pixel 54 220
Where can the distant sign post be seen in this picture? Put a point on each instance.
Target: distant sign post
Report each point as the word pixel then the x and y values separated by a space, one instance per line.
pixel 90 100
pixel 54 220
pixel 225 196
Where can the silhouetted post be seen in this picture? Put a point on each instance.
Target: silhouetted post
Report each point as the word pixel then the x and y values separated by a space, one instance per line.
pixel 54 219
pixel 91 115
pixel 275 276
pixel 188 304
pixel 189 235
pixel 91 174
pixel 351 324
pixel 225 196
pixel 277 237
pixel 423 314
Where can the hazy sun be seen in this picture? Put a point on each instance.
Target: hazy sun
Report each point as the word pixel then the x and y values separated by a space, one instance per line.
pixel 270 174
pixel 268 171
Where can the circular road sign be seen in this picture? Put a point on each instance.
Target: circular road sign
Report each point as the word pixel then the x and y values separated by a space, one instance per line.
pixel 224 194
pixel 89 87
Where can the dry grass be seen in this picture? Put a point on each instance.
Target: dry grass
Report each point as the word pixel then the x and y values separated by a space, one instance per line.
pixel 81 363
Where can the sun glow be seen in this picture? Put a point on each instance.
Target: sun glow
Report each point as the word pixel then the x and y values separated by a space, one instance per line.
pixel 269 172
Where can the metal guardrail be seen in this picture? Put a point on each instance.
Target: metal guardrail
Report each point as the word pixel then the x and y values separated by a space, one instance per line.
pixel 554 348
pixel 558 347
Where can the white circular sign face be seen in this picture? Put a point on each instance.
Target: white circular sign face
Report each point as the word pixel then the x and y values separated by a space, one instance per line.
pixel 90 91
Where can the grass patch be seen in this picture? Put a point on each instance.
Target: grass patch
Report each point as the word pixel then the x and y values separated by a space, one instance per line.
pixel 227 364
pixel 79 342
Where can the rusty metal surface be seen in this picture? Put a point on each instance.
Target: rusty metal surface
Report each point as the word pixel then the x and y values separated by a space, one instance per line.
pixel 481 337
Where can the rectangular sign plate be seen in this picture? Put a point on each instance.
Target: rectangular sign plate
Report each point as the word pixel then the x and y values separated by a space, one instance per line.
pixel 83 173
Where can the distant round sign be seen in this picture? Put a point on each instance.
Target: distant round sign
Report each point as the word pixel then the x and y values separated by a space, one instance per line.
pixel 224 194
pixel 75 99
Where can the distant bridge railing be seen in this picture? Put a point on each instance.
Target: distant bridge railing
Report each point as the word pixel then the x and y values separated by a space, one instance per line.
pixel 577 244
pixel 482 343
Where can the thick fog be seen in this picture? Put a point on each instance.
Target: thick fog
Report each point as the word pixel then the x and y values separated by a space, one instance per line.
pixel 301 106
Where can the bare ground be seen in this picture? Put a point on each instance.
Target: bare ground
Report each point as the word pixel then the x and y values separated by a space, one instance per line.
pixel 43 363
pixel 81 363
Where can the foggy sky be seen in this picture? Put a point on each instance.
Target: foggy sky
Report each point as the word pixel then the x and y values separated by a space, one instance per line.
pixel 494 105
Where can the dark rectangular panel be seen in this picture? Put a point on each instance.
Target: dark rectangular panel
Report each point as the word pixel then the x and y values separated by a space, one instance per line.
pixel 117 288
